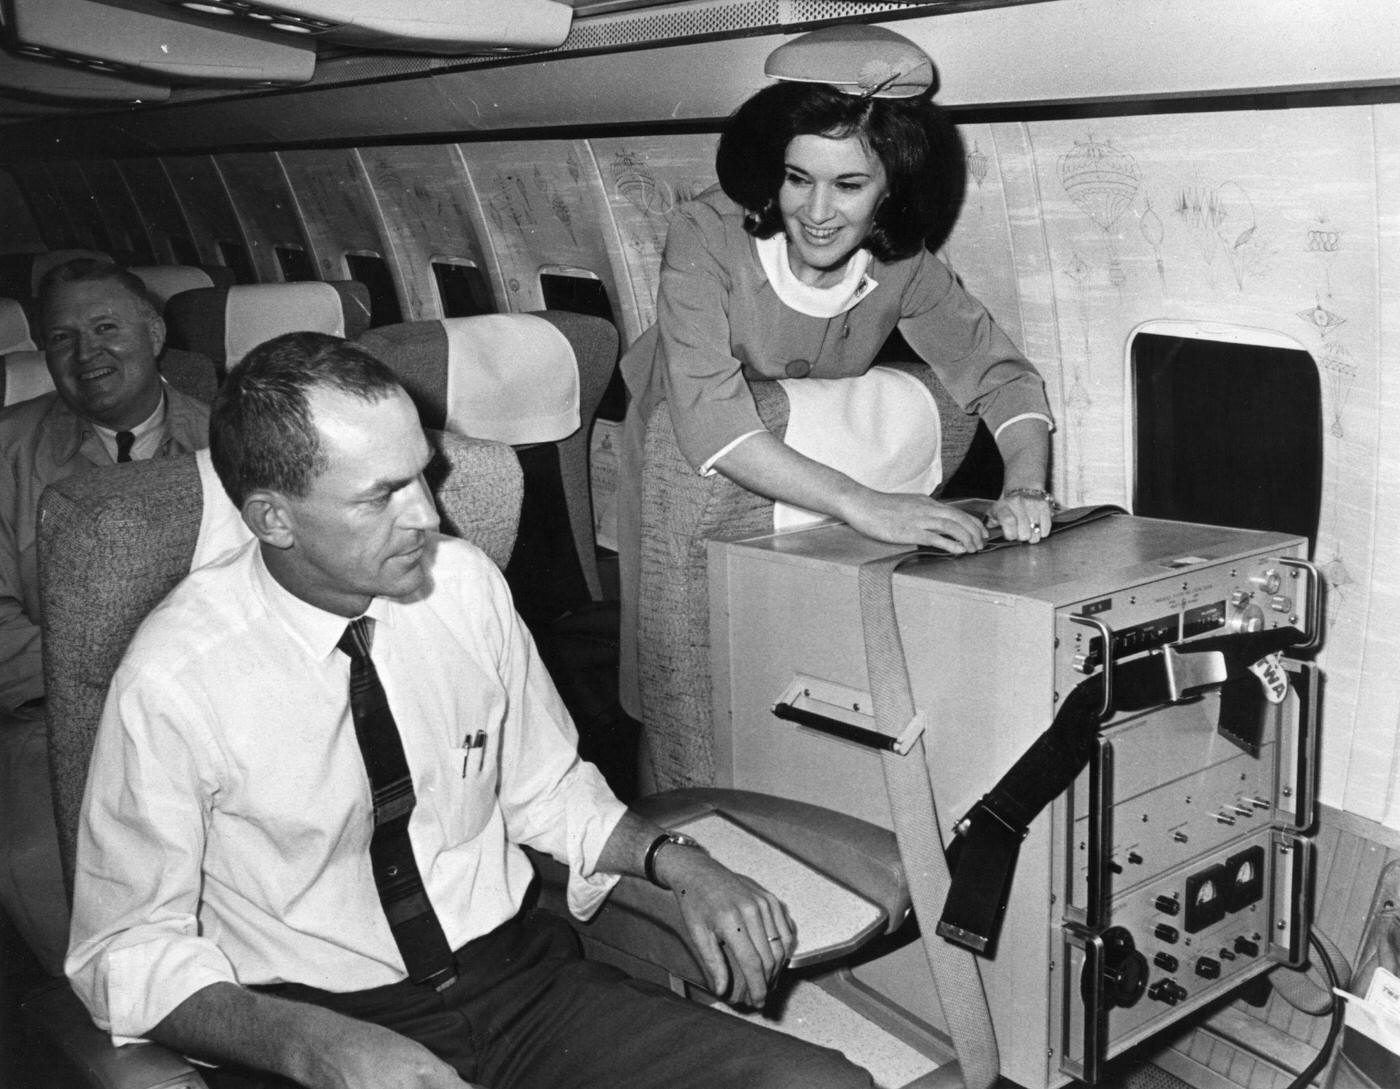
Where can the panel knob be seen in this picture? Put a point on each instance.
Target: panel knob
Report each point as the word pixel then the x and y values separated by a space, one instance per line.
pixel 1124 971
pixel 1208 968
pixel 1165 933
pixel 1167 905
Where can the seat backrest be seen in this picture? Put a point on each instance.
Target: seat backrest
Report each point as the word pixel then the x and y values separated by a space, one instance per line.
pixel 681 510
pixel 23 374
pixel 14 328
pixel 226 322
pixel 418 352
pixel 163 281
pixel 113 542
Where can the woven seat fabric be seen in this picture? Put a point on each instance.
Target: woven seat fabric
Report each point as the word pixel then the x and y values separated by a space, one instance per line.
pixel 114 541
pixel 681 511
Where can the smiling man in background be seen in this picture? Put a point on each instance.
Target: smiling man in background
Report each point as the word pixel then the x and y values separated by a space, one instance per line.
pixel 101 338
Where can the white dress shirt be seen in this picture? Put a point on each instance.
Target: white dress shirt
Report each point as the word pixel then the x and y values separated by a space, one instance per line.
pixel 226 825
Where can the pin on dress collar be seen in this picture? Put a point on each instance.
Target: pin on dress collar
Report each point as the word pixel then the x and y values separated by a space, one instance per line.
pixel 856 59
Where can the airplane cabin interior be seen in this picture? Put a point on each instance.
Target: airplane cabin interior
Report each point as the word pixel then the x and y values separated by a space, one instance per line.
pixel 1185 213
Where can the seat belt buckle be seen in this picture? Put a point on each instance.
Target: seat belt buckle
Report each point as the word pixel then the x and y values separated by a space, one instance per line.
pixel 1189 672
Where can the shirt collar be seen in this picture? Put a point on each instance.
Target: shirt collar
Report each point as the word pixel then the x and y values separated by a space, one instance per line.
pixel 316 629
pixel 155 420
pixel 76 428
pixel 816 302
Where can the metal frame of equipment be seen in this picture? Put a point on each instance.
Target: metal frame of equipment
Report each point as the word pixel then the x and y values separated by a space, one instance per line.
pixel 1175 867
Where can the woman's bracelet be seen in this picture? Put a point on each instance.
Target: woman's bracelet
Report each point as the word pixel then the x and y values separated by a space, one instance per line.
pixel 1029 493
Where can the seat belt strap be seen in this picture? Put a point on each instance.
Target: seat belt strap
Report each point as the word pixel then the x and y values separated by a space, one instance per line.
pixel 982 857
pixel 916 827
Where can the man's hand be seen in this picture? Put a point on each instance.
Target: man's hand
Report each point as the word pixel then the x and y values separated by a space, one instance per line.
pixel 741 931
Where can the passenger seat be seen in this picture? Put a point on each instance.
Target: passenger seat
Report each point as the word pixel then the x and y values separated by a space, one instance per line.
pixel 14 328
pixel 164 281
pixel 504 373
pixel 227 322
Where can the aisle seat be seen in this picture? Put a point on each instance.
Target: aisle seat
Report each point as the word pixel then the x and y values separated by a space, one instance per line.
pixel 681 512
pixel 114 541
pixel 227 322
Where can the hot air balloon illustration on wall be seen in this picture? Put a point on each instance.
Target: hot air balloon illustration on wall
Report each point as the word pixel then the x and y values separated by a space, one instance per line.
pixel 1102 181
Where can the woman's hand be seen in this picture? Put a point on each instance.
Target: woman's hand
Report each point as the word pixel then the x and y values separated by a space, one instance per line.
pixel 914 520
pixel 1024 517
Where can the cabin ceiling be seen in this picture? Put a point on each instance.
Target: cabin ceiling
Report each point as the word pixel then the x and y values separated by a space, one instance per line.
pixel 84 57
pixel 625 64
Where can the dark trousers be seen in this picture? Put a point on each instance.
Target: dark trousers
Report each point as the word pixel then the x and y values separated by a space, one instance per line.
pixel 528 1012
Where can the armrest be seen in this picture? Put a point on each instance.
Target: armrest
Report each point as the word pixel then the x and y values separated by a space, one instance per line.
pixel 58 1012
pixel 855 853
pixel 643 921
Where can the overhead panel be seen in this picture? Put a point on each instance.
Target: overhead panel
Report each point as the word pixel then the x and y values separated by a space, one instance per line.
pixel 60 80
pixel 118 38
pixel 426 26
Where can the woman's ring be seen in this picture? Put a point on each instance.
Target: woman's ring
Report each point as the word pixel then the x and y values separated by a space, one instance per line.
pixel 775 939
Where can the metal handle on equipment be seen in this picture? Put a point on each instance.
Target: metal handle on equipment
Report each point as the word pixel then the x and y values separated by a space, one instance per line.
pixel 1106 634
pixel 1313 606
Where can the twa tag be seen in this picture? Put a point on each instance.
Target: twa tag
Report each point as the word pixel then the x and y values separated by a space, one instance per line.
pixel 1272 676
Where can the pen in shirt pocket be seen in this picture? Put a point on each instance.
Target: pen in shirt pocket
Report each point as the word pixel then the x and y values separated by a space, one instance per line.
pixel 472 743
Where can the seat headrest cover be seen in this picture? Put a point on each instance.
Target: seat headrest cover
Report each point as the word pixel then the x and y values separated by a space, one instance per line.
pixel 254 313
pixel 163 281
pixel 512 378
pixel 14 328
pixel 26 375
pixel 856 59
pixel 882 429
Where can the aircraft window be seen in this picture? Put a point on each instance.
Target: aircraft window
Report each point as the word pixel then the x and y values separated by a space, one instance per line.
pixel 1227 431
pixel 583 293
pixel 462 290
pixel 575 292
pixel 182 249
pixel 235 257
pixel 372 271
pixel 294 263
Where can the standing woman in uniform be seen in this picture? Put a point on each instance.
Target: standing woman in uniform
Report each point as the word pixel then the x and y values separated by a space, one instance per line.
pixel 836 184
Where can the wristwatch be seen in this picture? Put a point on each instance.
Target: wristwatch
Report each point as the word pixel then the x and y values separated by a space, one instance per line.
pixel 649 863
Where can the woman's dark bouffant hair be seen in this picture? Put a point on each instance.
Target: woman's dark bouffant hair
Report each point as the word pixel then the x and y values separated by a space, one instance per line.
pixel 919 147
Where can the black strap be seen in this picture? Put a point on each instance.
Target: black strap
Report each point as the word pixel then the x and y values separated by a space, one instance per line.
pixel 982 857
pixel 412 920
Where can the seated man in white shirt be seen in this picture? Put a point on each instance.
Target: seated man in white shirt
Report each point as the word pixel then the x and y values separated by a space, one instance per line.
pixel 233 896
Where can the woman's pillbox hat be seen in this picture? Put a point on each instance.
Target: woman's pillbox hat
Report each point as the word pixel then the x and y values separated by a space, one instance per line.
pixel 856 59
